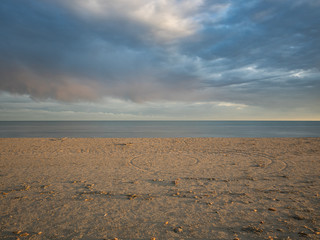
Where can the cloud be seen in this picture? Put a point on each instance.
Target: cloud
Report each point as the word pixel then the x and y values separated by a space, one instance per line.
pixel 163 20
pixel 250 53
pixel 22 107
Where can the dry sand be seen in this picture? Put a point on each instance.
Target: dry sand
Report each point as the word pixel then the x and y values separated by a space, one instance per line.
pixel 177 188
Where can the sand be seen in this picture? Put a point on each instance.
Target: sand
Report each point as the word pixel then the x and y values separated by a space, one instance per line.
pixel 175 188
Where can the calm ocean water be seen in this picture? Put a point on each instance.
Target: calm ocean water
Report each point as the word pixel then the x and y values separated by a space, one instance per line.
pixel 150 129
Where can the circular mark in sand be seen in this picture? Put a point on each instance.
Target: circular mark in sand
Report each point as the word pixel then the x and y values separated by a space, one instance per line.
pixel 164 162
pixel 260 162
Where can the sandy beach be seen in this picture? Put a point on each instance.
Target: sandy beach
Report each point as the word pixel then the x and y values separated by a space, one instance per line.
pixel 160 188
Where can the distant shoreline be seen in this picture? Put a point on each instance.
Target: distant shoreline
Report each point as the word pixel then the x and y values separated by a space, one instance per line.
pixel 161 129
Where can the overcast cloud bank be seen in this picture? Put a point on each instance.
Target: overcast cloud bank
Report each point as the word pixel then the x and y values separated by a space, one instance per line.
pixel 254 54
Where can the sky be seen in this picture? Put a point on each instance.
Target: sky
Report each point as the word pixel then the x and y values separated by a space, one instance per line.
pixel 159 60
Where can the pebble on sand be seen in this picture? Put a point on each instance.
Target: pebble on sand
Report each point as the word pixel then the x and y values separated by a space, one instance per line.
pixel 25 234
pixel 178 229
pixel 176 182
pixel 252 228
pixel 132 196
pixel 303 234
pixel 272 209
pixel 298 217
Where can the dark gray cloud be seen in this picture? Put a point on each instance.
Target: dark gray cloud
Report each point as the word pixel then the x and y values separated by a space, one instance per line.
pixel 245 52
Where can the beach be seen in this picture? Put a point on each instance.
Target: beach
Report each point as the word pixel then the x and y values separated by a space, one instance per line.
pixel 160 188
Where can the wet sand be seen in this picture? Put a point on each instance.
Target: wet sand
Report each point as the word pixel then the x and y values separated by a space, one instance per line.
pixel 175 188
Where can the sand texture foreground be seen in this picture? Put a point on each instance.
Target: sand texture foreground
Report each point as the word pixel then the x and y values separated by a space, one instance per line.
pixel 177 188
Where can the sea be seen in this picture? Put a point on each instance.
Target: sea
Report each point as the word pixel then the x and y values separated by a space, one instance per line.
pixel 158 129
